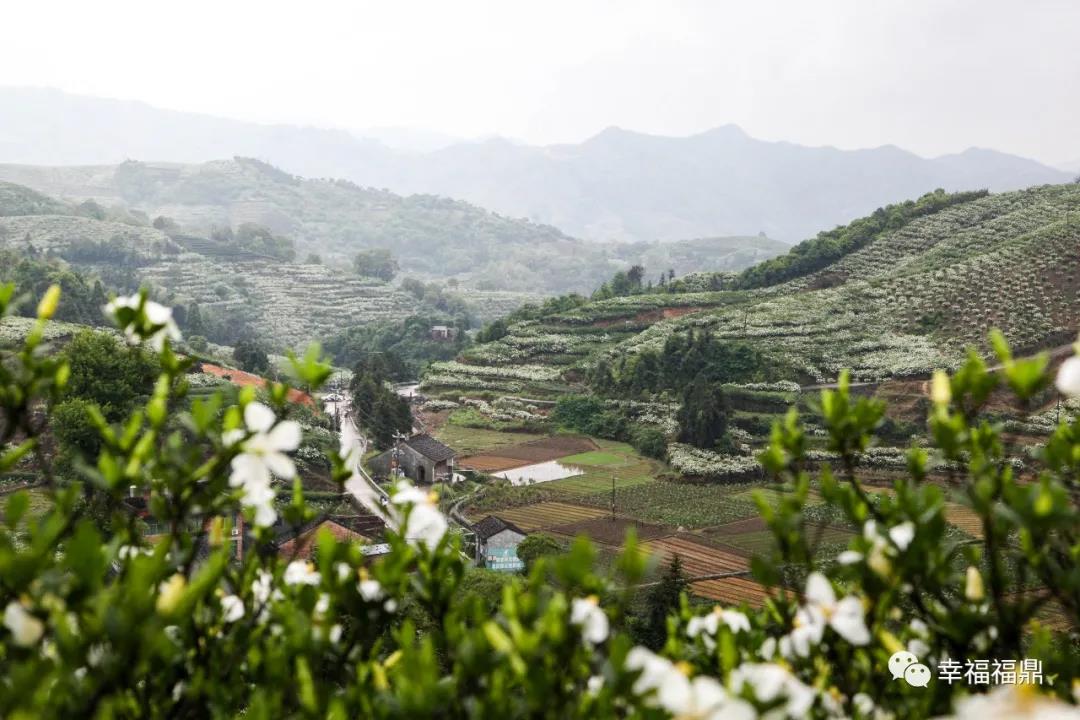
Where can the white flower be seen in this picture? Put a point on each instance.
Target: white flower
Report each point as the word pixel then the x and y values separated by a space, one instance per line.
pixel 262 454
pixel 594 685
pixel 902 534
pixel 232 608
pixel 771 682
pixel 1014 702
pixel 301 572
pixel 709 625
pixel 262 586
pixel 334 635
pixel 1068 377
pixel 586 613
pixel 25 629
pixel 822 609
pixel 343 571
pixel 735 620
pixel 370 590
pixel 424 524
pixel 158 323
pixel 849 557
pixel 864 704
pixel 702 697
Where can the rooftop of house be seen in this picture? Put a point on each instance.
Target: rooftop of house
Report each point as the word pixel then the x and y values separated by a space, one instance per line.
pixel 430 448
pixel 492 525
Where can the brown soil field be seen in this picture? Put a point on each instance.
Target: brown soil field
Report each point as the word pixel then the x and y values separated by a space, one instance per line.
pixel 697 558
pixel 490 463
pixel 652 316
pixel 542 516
pixel 611 532
pixel 732 591
pixel 964 518
pixel 535 451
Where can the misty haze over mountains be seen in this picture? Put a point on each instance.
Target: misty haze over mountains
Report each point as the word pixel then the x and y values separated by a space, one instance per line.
pixel 617 185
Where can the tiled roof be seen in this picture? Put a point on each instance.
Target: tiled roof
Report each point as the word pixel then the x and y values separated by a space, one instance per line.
pixel 492 525
pixel 430 448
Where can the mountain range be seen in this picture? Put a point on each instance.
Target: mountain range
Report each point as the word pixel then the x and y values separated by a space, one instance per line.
pixel 617 185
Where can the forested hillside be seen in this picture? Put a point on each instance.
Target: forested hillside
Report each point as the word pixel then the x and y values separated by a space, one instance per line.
pixel 907 297
pixel 430 237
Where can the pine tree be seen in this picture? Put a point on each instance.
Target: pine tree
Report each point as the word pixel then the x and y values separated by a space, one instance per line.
pixel 661 601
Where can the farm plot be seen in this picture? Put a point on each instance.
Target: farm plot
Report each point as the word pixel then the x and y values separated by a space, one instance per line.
pixel 697 558
pixel 542 516
pixel 529 453
pixel 671 503
pixel 763 542
pixel 611 531
pixel 732 591
pixel 472 442
pixel 964 518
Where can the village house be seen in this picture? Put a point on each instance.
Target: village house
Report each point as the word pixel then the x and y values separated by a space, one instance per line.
pixel 421 458
pixel 496 544
pixel 443 333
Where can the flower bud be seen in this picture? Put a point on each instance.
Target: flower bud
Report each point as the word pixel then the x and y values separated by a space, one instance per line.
pixel 973 587
pixel 47 307
pixel 940 389
pixel 171 592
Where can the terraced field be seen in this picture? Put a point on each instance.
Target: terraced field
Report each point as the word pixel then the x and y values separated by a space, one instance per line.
pixel 545 515
pixel 697 558
pixel 291 303
pixel 733 591
pixel 902 305
pixel 965 519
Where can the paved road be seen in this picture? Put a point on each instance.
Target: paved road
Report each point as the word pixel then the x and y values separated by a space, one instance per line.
pixel 353 447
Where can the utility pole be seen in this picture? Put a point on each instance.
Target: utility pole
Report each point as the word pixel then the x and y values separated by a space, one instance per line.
pixel 612 497
pixel 396 454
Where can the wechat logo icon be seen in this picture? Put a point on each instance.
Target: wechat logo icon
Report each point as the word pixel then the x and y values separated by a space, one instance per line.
pixel 905 665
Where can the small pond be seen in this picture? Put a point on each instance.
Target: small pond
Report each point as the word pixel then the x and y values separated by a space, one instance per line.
pixel 540 472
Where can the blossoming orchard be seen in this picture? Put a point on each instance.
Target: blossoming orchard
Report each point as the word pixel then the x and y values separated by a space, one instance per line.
pixel 109 626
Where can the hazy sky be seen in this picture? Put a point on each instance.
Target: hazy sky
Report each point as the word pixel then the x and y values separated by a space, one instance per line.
pixel 933 76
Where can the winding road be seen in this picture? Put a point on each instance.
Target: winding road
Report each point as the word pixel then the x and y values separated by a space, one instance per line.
pixel 353 446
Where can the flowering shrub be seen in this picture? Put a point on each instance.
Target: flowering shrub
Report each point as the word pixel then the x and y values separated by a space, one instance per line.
pixel 102 624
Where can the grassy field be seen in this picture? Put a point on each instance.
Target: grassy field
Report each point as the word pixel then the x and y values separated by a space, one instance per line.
pixel 472 441
pixel 597 457
pixel 613 459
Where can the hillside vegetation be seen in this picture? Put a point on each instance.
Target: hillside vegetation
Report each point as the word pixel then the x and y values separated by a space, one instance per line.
pixel 430 236
pixel 890 309
pixel 902 303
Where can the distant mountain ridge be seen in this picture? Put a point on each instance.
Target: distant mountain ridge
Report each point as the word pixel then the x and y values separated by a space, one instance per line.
pixel 617 185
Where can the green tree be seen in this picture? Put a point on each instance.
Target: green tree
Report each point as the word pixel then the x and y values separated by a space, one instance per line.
pixel 377 263
pixel 108 373
pixel 251 356
pixel 661 600
pixel 536 546
pixel 703 414
pixel 195 323
pixel 380 412
pixel 483 587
